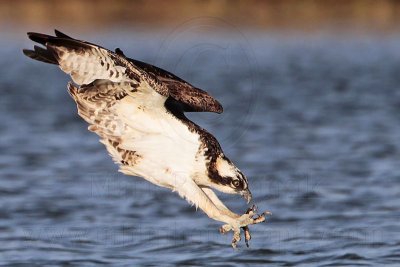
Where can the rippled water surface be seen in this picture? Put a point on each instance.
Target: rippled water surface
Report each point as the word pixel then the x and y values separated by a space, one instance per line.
pixel 314 122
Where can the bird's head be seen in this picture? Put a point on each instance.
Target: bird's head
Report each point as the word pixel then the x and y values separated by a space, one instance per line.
pixel 227 178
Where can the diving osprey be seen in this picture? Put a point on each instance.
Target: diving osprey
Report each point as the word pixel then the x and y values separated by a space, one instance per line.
pixel 137 109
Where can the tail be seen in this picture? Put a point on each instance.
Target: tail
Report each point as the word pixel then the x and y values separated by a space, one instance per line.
pixel 43 54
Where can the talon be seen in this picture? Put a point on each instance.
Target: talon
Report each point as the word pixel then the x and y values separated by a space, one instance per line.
pixel 247 235
pixel 267 212
pixel 225 228
pixel 259 219
pixel 253 208
pixel 236 238
pixel 249 218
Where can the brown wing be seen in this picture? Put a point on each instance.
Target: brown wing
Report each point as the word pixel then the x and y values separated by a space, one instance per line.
pixel 87 62
pixel 191 99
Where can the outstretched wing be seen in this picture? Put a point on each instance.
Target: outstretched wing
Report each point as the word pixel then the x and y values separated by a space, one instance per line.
pixel 86 63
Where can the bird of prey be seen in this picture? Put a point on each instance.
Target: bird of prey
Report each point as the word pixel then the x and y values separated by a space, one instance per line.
pixel 137 109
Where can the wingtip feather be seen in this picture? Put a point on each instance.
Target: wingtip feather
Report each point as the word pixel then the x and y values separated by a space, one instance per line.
pixel 61 34
pixel 39 37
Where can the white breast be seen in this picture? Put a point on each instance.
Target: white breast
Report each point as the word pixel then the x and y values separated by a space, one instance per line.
pixel 166 146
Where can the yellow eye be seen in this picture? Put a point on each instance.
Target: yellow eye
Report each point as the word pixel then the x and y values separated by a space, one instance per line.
pixel 236 183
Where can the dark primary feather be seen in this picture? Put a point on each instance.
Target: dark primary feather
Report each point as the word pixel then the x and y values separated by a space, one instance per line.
pixel 188 97
pixel 60 34
pixel 40 54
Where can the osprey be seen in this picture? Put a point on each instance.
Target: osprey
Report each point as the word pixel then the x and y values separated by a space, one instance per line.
pixel 137 109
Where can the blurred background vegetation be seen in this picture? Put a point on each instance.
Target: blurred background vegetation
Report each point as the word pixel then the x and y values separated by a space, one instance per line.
pixel 311 96
pixel 307 15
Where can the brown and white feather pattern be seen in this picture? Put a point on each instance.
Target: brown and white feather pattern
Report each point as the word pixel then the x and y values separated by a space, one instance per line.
pixel 96 106
pixel 88 64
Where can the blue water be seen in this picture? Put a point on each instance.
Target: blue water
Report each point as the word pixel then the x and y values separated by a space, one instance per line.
pixel 312 120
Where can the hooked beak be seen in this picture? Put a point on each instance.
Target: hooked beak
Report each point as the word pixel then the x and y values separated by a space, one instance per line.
pixel 246 194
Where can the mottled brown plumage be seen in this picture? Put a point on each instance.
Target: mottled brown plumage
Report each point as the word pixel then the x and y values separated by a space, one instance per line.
pixel 192 99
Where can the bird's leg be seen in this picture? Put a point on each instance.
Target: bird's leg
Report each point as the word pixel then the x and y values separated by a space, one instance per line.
pixel 221 206
pixel 217 202
pixel 194 194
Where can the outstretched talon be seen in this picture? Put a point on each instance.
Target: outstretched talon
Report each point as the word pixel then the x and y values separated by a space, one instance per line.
pixel 236 237
pixel 250 217
pixel 247 235
pixel 246 230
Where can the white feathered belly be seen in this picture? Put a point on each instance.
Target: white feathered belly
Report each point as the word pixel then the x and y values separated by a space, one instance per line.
pixel 166 149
